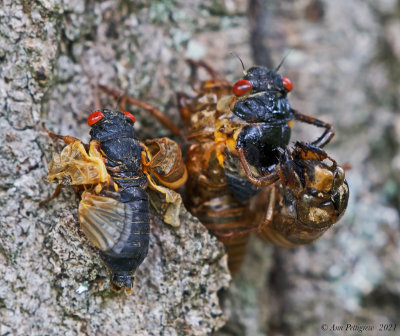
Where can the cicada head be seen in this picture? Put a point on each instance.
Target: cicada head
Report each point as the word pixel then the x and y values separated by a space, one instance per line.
pixel 262 96
pixel 107 124
pixel 260 79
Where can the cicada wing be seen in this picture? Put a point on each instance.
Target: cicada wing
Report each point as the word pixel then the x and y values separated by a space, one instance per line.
pixel 74 166
pixel 167 203
pixel 105 221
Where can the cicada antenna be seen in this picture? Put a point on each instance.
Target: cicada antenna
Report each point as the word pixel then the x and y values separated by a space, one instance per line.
pixel 283 60
pixel 119 102
pixel 244 69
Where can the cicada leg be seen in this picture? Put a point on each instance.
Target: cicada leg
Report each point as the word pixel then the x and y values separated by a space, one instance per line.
pixel 194 65
pixel 53 196
pixel 328 134
pixel 66 138
pixel 310 198
pixel 261 181
pixel 201 64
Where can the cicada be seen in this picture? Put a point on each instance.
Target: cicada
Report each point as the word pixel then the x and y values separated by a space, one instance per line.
pixel 111 174
pixel 244 176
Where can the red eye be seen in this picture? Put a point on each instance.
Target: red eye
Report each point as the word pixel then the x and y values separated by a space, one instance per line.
pixel 130 116
pixel 287 83
pixel 95 117
pixel 242 87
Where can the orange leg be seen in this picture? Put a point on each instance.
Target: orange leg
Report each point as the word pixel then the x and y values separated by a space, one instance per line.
pixel 262 181
pixel 311 152
pixel 55 194
pixel 66 138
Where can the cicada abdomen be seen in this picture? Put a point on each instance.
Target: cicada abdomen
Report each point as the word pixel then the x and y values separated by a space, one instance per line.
pixel 120 230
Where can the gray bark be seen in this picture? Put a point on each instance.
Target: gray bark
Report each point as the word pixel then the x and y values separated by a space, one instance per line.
pixel 52 281
pixel 344 63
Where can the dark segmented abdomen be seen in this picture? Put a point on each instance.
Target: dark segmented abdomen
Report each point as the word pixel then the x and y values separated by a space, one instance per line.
pixel 124 263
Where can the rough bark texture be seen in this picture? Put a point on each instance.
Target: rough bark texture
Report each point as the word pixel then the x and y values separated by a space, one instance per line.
pixel 343 58
pixel 52 281
pixel 344 63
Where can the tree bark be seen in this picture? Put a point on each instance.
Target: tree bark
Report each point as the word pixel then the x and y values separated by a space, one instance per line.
pixel 53 53
pixel 343 58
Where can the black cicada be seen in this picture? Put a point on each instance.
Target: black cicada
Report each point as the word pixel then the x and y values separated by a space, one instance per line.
pixel 113 172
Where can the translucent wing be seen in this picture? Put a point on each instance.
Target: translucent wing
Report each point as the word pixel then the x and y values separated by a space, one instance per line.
pixel 166 202
pixel 105 221
pixel 74 166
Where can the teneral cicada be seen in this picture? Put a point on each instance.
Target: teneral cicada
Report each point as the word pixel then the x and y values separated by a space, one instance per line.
pixel 114 171
pixel 244 176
